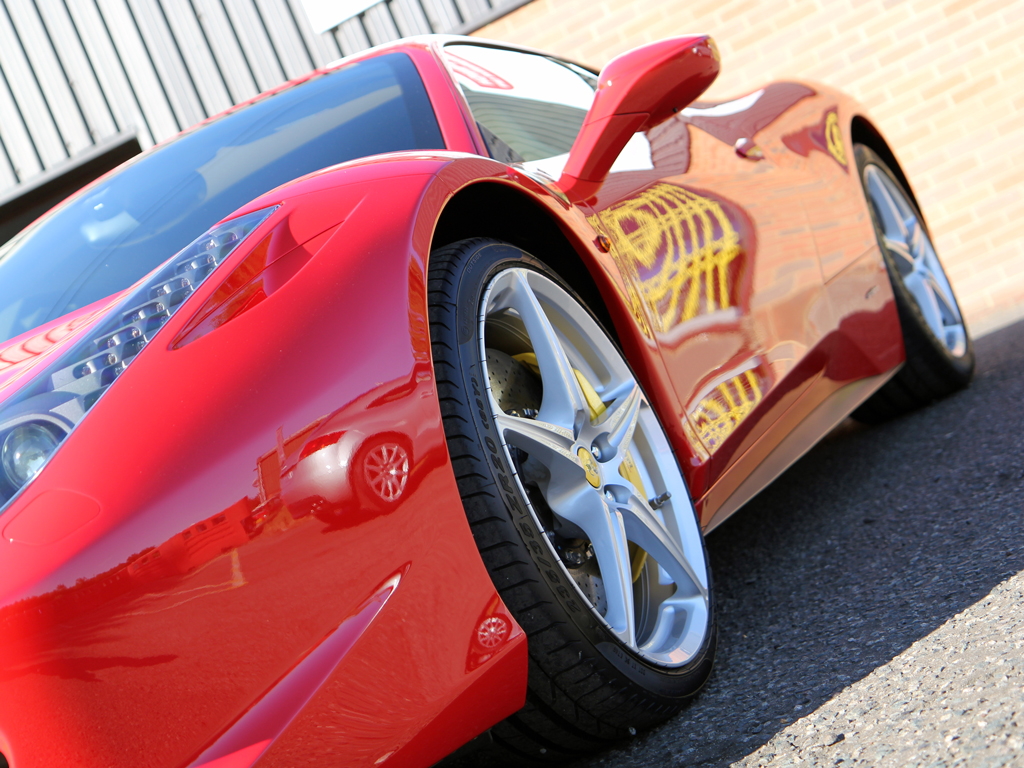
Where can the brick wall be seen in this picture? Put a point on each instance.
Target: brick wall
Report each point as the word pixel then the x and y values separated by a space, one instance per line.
pixel 943 80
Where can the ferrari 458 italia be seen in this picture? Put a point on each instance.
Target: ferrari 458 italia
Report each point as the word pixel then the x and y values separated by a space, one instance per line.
pixel 385 414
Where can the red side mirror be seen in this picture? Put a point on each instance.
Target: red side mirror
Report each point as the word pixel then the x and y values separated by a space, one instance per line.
pixel 637 91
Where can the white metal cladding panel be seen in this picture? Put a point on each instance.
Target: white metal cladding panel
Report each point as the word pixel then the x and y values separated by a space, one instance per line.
pixel 166 54
pixel 109 70
pixel 32 107
pixel 410 17
pixel 285 38
pixel 76 72
pixel 259 51
pixel 351 36
pixel 18 148
pixel 222 37
pixel 200 66
pixel 379 24
pixel 324 48
pixel 471 9
pixel 137 65
pixel 442 14
pixel 50 77
pixel 7 177
pixel 82 77
pixel 8 174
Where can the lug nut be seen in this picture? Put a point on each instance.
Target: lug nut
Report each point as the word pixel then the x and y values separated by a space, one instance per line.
pixel 575 553
pixel 574 558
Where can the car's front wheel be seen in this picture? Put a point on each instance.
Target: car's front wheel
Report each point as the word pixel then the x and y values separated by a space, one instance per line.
pixel 575 499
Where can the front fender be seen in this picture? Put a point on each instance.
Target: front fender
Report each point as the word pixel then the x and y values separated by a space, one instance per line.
pixel 193 588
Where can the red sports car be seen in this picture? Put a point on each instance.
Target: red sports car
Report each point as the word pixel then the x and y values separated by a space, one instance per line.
pixel 389 409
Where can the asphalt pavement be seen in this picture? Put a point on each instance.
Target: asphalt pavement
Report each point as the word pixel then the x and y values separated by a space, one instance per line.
pixel 871 600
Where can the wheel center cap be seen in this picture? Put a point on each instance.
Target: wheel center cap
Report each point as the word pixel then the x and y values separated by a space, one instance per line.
pixel 590 467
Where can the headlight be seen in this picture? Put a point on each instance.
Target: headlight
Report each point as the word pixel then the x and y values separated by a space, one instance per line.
pixel 35 421
pixel 25 450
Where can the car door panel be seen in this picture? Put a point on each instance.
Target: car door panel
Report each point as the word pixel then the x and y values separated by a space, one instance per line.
pixel 729 278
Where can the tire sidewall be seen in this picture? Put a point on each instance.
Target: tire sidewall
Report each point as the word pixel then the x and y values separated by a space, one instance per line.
pixel 488 259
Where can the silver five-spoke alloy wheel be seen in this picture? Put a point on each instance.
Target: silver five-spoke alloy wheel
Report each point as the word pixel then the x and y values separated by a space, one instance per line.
pixel 607 479
pixel 905 237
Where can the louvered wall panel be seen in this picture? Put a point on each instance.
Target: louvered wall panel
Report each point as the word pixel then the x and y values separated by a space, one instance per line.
pixel 222 39
pixel 472 9
pixel 442 14
pixel 252 33
pixel 75 73
pixel 137 65
pixel 109 70
pixel 351 36
pixel 19 148
pixel 54 84
pixel 194 52
pixel 411 18
pixel 7 177
pixel 324 48
pixel 379 24
pixel 82 77
pixel 285 38
pixel 32 107
pixel 164 48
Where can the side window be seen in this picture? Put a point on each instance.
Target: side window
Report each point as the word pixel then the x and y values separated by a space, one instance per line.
pixel 528 107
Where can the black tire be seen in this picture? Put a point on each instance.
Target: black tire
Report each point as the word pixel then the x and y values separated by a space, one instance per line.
pixel 586 689
pixel 931 371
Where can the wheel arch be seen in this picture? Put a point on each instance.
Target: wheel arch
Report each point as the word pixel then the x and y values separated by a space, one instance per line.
pixel 862 131
pixel 493 209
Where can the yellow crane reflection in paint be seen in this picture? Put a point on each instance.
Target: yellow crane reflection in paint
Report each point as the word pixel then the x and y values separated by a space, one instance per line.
pixel 677 247
pixel 718 413
pixel 680 256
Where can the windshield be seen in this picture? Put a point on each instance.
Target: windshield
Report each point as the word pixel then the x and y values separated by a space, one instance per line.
pixel 104 239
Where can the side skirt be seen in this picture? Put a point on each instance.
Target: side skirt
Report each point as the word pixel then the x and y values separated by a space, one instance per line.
pixel 818 423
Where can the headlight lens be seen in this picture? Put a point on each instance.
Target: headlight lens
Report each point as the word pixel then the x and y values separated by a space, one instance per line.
pixel 65 390
pixel 25 451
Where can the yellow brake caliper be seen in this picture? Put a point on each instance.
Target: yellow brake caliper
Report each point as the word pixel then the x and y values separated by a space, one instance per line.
pixel 628 470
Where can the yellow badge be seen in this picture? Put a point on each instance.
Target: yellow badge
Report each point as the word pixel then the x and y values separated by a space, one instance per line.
pixel 834 138
pixel 590 467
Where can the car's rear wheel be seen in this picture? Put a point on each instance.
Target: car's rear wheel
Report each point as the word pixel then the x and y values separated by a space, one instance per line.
pixel 575 499
pixel 940 354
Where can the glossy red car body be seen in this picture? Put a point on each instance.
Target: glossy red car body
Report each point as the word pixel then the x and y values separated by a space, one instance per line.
pixel 166 600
